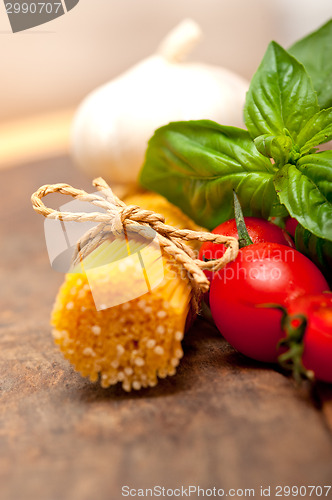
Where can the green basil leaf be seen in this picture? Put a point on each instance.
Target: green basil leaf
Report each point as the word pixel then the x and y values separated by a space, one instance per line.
pixel 197 164
pixel 281 96
pixel 306 191
pixel 316 131
pixel 318 250
pixel 315 53
pixel 318 168
pixel 276 147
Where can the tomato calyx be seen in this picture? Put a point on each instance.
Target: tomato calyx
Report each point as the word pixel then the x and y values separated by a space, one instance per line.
pixel 295 328
pixel 244 238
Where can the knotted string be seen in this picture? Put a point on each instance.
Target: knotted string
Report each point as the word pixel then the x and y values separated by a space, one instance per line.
pixel 119 216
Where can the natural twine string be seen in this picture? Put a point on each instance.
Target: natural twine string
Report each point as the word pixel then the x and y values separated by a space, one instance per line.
pixel 119 216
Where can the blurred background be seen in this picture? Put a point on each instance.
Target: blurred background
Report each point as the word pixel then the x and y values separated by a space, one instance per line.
pixel 49 69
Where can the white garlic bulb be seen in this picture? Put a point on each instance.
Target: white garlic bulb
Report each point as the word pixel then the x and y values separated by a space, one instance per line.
pixel 114 123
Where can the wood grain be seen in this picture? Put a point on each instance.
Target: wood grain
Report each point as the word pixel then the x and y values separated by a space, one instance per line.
pixel 222 421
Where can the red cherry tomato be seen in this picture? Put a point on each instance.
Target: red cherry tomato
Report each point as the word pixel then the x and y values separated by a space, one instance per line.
pixel 291 225
pixel 317 339
pixel 265 273
pixel 259 230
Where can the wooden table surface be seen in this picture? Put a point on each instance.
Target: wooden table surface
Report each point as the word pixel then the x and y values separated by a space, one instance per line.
pixel 223 421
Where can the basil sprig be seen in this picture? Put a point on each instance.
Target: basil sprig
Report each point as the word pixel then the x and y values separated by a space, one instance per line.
pixel 274 167
pixel 282 111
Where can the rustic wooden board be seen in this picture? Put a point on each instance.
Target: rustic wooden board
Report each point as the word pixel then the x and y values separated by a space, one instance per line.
pixel 222 421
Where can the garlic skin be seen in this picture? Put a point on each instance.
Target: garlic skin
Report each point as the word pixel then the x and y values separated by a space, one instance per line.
pixel 114 123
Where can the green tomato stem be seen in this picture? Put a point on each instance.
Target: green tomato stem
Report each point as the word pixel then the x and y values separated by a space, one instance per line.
pixel 295 328
pixel 244 238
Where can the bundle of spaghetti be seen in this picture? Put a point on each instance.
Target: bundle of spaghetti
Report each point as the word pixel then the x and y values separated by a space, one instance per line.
pixel 138 340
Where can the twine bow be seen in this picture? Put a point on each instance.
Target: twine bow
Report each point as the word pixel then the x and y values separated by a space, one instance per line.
pixel 119 215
